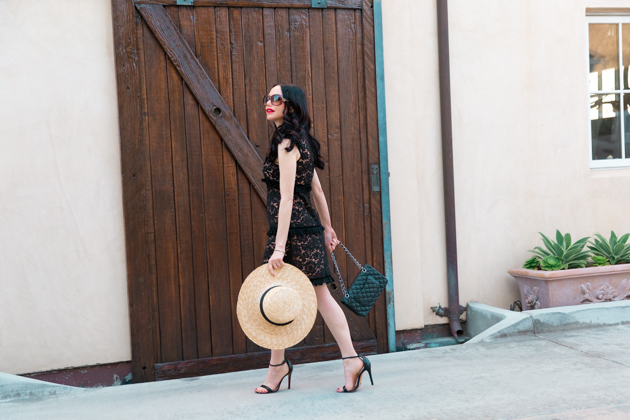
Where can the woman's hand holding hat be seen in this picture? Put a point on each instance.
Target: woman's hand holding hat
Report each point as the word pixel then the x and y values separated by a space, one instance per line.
pixel 276 261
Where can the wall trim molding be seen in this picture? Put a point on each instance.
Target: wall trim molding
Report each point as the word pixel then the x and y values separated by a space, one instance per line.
pixel 429 336
pixel 89 376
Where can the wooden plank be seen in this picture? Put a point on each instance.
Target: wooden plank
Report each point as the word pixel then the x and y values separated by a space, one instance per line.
pixel 163 199
pixel 231 175
pixel 195 182
pixel 300 52
pixel 249 259
pixel 256 86
pixel 259 360
pixel 271 62
pixel 300 76
pixel 351 155
pixel 251 207
pixel 233 178
pixel 259 211
pixel 202 87
pixel 150 223
pixel 363 144
pixel 318 81
pixel 283 54
pixel 318 115
pixel 380 309
pixel 350 145
pixel 331 4
pixel 283 41
pixel 333 138
pixel 133 183
pixel 261 225
pixel 182 205
pixel 301 73
pixel 255 78
pixel 214 197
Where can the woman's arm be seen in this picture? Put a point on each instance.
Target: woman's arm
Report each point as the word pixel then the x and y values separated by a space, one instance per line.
pixel 319 201
pixel 288 167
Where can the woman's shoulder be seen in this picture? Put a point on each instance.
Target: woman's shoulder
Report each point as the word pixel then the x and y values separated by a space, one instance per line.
pixel 295 150
pixel 284 143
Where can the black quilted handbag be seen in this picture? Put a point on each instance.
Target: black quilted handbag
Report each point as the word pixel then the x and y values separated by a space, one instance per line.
pixel 365 289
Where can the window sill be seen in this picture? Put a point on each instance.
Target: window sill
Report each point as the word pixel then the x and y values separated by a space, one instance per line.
pixel 606 164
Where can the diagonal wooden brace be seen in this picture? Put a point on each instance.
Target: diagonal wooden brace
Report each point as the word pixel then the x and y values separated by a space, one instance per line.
pixel 206 93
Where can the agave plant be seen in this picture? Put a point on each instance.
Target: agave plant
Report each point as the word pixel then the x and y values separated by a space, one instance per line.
pixel 562 254
pixel 614 251
pixel 533 263
pixel 599 261
pixel 551 263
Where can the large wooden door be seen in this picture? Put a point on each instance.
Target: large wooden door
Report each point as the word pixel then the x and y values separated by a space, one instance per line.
pixel 193 137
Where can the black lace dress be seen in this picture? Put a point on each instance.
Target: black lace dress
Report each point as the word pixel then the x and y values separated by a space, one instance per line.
pixel 306 248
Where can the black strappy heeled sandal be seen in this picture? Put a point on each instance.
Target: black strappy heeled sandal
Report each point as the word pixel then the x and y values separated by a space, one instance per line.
pixel 271 391
pixel 367 367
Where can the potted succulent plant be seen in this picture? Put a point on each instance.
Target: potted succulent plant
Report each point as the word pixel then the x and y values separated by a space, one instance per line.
pixel 565 273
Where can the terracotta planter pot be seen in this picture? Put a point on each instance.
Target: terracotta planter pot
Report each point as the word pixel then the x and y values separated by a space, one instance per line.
pixel 549 289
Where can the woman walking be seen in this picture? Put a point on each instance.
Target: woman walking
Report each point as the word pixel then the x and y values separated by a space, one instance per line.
pixel 297 235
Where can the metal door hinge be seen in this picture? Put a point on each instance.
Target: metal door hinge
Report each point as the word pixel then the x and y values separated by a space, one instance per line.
pixel 375 177
pixel 185 2
pixel 318 3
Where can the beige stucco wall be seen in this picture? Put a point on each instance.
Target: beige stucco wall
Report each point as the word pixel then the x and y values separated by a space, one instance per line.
pixel 63 293
pixel 520 136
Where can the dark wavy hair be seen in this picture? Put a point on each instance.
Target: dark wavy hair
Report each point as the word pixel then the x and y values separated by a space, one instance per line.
pixel 296 124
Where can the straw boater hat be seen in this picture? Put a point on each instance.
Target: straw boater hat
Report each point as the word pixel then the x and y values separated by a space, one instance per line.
pixel 277 312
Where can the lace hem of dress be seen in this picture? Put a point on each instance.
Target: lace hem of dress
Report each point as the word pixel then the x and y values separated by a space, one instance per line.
pixel 298 231
pixel 322 280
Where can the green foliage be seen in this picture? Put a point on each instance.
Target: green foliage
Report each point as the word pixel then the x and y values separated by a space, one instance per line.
pixel 533 263
pixel 599 261
pixel 566 254
pixel 614 250
pixel 551 263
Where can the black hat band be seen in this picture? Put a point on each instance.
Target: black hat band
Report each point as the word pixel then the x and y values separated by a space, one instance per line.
pixel 262 310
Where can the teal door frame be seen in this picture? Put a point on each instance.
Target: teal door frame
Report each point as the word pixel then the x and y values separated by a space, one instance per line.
pixel 382 141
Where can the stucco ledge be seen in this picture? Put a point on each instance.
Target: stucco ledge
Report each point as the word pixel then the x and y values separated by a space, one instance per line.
pixel 486 323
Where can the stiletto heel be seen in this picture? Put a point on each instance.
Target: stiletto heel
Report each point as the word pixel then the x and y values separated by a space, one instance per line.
pixel 290 373
pixel 271 391
pixel 367 367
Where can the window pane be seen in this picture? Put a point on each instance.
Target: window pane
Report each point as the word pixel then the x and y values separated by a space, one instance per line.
pixel 625 33
pixel 604 56
pixel 605 127
pixel 626 116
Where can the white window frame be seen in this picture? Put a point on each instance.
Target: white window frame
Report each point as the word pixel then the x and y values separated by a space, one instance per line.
pixel 624 162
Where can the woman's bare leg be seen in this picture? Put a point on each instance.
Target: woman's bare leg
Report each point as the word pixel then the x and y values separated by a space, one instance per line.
pixel 274 374
pixel 337 323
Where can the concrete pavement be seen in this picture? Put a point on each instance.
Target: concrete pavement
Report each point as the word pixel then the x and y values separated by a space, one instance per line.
pixel 577 374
